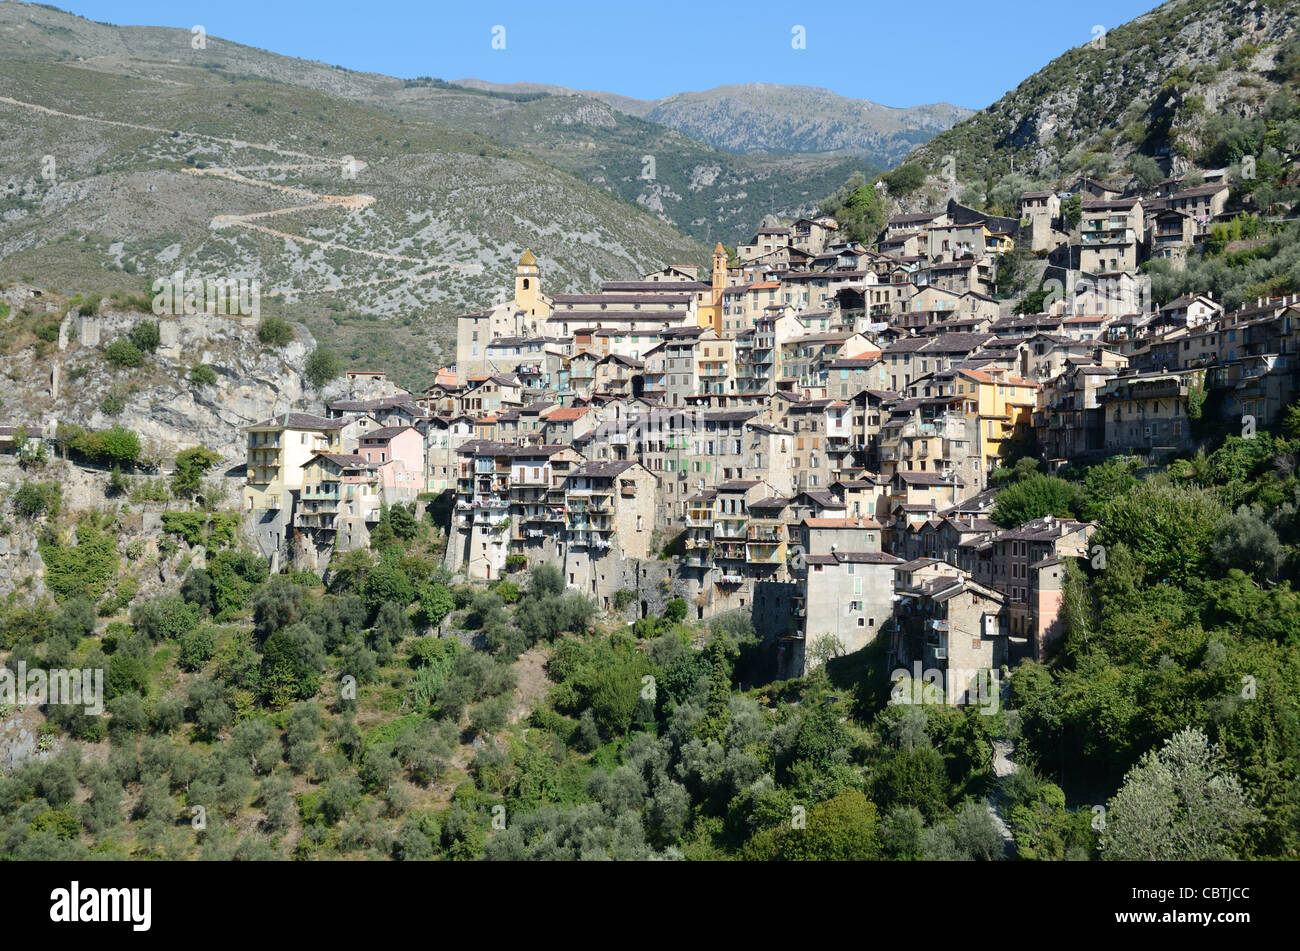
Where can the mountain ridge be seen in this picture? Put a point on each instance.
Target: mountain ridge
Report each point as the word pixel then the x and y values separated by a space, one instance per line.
pixel 804 119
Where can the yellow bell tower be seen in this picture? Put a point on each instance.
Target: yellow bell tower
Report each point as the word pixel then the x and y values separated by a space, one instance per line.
pixel 711 315
pixel 528 284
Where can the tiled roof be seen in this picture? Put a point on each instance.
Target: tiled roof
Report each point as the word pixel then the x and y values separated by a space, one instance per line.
pixel 300 421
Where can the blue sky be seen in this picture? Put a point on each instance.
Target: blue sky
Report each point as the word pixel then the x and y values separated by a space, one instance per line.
pixel 899 53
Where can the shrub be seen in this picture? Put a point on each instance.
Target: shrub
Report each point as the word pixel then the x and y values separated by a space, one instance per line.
pixel 168 618
pixel 112 404
pixel 145 336
pixel 1035 497
pixel 323 366
pixel 197 648
pixel 34 499
pixel 191 466
pixel 275 332
pixel 905 179
pixel 81 570
pixel 436 603
pixel 118 445
pixel 507 591
pixel 48 332
pixel 117 484
pixel 203 375
pixel 123 353
pixel 675 610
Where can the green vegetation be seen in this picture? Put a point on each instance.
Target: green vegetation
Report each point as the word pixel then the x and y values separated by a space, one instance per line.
pixel 123 353
pixel 1170 694
pixel 203 375
pixel 117 446
pixel 904 179
pixel 322 366
pixel 33 500
pixel 145 336
pixel 84 569
pixel 1072 210
pixel 191 466
pixel 275 332
pixel 858 208
pixel 214 530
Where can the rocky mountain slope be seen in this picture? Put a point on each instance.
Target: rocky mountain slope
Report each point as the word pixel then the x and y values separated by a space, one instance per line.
pixel 1160 85
pixel 127 155
pixel 705 192
pixel 775 119
pixel 69 380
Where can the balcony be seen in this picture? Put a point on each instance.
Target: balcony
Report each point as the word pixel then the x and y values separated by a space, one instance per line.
pixel 319 493
pixel 731 579
pixel 766 533
pixel 545 515
pixel 694 521
pixel 729 552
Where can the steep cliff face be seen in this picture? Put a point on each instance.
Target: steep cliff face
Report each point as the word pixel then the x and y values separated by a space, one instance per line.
pixel 73 381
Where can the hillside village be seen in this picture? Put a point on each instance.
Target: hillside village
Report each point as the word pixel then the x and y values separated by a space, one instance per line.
pixel 504 503
pixel 810 433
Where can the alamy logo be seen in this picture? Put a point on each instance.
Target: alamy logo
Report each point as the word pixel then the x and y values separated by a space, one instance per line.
pixel 61 687
pixel 233 297
pixel 75 904
pixel 931 685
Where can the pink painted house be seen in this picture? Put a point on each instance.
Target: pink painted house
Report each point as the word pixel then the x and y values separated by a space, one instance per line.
pixel 397 452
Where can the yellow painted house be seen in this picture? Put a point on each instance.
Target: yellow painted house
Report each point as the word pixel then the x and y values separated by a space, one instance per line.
pixel 1001 405
pixel 276 451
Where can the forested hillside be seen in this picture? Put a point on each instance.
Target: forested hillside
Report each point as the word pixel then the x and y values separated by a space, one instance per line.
pixel 545 731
